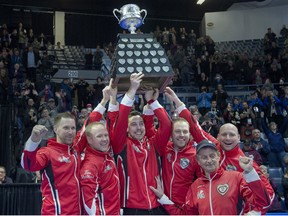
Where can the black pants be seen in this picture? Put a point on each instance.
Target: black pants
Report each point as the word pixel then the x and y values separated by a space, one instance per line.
pixel 155 211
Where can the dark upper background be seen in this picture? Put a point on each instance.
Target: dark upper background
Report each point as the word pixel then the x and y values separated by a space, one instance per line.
pixel 164 9
pixel 91 22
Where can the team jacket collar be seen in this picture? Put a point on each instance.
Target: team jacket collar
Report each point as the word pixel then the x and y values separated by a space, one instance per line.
pixel 89 149
pixel 53 143
pixel 232 152
pixel 213 175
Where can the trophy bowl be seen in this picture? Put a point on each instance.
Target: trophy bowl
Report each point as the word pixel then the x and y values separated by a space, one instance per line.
pixel 130 17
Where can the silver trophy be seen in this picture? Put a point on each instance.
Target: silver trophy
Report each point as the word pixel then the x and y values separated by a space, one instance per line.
pixel 130 17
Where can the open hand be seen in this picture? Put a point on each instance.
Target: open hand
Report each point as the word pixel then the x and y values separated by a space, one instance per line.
pixel 159 190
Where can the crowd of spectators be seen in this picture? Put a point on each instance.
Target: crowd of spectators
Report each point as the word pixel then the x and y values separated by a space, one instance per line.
pixel 261 119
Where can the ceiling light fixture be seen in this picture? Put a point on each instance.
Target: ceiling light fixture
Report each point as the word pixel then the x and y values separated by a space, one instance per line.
pixel 199 2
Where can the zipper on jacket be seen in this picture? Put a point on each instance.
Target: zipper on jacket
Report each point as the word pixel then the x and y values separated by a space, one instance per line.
pixel 173 174
pixel 145 177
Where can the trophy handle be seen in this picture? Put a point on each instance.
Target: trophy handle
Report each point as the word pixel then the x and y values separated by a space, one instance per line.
pixel 145 11
pixel 114 13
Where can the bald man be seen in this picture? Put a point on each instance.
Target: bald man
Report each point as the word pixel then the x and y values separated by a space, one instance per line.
pixel 227 143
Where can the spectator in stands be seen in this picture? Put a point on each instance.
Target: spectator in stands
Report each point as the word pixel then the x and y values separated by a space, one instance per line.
pixel 98 86
pixel 231 116
pixel 194 110
pixel 21 36
pixel 48 122
pixel 220 95
pixel 275 74
pixel 80 121
pixel 84 112
pixel 285 181
pixel 176 80
pixel 81 87
pixel 98 55
pixel 258 77
pixel 58 46
pixel 46 93
pixel 66 93
pixel 256 106
pixel 16 58
pixel 274 50
pixel 14 91
pixel 88 59
pixel 30 120
pixel 17 73
pixel 4 84
pixel 230 73
pixel 218 79
pixel 246 124
pixel 43 41
pixel 261 146
pixel 276 141
pixel 270 36
pixel 14 39
pixel 4 38
pixel 185 69
pixel 284 32
pixel 276 205
pixel 3 178
pixel 249 151
pixel 204 101
pixel 204 82
pixel 51 106
pixel 273 108
pixel 285 99
pixel 30 36
pixel 31 61
pixel 237 105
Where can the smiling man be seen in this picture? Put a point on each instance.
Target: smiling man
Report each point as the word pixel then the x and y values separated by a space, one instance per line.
pixel 227 143
pixel 99 177
pixel 59 163
pixel 137 154
pixel 217 192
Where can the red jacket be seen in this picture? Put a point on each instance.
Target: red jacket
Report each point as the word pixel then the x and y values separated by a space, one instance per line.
pixel 229 159
pixel 178 171
pixel 60 164
pixel 137 162
pixel 100 185
pixel 60 179
pixel 221 194
pixel 179 168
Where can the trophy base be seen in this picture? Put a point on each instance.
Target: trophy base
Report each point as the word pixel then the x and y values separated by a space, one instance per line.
pixel 154 81
pixel 140 53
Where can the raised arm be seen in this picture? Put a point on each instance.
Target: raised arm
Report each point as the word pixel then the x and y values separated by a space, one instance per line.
pixel 163 133
pixel 257 193
pixel 80 140
pixel 120 129
pixel 30 159
pixel 113 109
pixel 196 130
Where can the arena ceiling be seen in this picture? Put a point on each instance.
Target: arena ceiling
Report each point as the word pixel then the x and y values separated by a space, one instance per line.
pixel 160 9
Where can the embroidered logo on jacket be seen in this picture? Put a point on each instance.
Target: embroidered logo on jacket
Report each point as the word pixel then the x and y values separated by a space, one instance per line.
pixel 64 159
pixel 136 148
pixel 200 194
pixel 231 167
pixel 107 168
pixel 87 175
pixel 184 163
pixel 169 157
pixel 222 189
